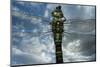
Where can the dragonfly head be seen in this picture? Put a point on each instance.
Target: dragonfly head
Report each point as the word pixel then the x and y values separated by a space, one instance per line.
pixel 58 8
pixel 57 12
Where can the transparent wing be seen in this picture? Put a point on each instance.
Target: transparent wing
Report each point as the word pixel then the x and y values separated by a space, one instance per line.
pixel 71 26
pixel 24 15
pixel 80 27
pixel 36 24
pixel 76 21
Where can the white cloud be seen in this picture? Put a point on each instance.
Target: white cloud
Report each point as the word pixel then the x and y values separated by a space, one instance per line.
pixel 16 51
pixel 72 53
pixel 15 8
pixel 46 13
pixel 81 12
pixel 32 47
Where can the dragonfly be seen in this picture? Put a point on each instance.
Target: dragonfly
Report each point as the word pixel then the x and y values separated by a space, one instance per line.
pixel 57 28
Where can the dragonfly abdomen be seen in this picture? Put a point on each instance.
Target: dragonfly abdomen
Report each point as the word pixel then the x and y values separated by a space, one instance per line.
pixel 58 42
